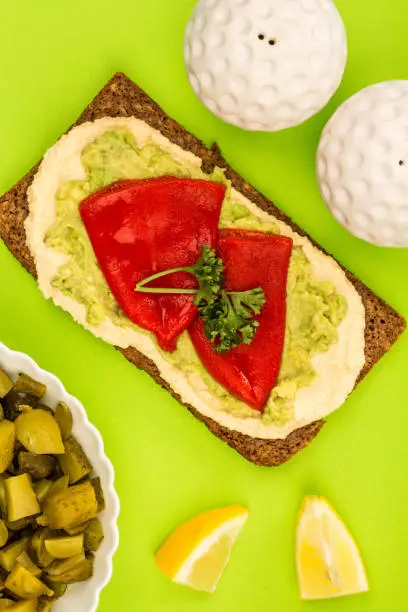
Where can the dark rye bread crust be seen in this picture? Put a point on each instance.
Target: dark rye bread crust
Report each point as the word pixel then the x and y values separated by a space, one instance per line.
pixel 122 98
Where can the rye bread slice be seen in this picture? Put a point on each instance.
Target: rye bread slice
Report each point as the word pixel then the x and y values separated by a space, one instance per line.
pixel 122 98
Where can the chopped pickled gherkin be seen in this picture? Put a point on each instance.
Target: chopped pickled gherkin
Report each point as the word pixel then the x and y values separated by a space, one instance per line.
pixel 24 584
pixel 63 416
pixel 26 384
pixel 7 441
pixel 25 560
pixel 59 485
pixel 39 433
pixel 59 567
pixel 21 498
pixel 59 588
pixel 9 554
pixel 57 473
pixel 3 500
pixel 64 547
pixel 37 466
pixel 93 535
pixel 45 604
pixel 18 525
pixel 75 569
pixel 42 488
pixel 6 384
pixel 71 507
pixel 37 547
pixel 75 464
pixel 14 400
pixel 4 534
pixel 72 531
pixel 100 498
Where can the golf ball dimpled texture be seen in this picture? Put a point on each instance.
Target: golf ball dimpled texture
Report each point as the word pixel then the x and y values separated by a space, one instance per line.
pixel 265 64
pixel 362 164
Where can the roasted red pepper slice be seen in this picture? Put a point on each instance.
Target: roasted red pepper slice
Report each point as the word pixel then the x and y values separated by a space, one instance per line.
pixel 140 227
pixel 251 259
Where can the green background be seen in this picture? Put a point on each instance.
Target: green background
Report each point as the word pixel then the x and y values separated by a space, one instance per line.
pixel 55 56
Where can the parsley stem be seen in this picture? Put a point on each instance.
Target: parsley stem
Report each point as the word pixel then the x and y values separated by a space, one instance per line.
pixel 165 290
pixel 140 287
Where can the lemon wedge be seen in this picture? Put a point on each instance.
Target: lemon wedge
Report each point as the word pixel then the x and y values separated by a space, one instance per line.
pixel 328 560
pixel 198 551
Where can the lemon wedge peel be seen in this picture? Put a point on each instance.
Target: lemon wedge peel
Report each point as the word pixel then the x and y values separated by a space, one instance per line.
pixel 197 552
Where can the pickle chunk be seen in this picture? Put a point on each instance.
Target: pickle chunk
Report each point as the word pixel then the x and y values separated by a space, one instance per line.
pixel 3 534
pixel 59 485
pixel 8 555
pixel 75 464
pixel 100 498
pixel 26 384
pixel 75 569
pixel 7 440
pixel 21 498
pixel 18 525
pixel 59 588
pixel 45 604
pixel 27 562
pixel 37 547
pixel 69 508
pixel 62 548
pixel 39 433
pixel 6 384
pixel 24 584
pixel 63 417
pixel 42 488
pixel 93 535
pixel 73 531
pixel 17 402
pixel 37 466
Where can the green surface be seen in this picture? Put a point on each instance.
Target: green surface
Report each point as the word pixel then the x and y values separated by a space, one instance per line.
pixel 55 57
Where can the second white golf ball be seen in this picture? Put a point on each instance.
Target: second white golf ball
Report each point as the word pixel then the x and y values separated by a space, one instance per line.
pixel 362 164
pixel 265 64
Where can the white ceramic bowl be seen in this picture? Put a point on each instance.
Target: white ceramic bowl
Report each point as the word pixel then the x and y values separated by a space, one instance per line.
pixel 81 597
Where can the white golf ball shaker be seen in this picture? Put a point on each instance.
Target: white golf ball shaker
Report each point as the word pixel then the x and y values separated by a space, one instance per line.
pixel 362 164
pixel 265 64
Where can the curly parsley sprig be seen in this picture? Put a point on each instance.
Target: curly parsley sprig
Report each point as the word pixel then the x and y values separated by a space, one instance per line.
pixel 228 315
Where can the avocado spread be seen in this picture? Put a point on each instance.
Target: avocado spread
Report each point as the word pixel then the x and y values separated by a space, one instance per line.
pixel 314 309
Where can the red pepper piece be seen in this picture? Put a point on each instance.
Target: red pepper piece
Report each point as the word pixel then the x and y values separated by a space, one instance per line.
pixel 140 227
pixel 251 259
